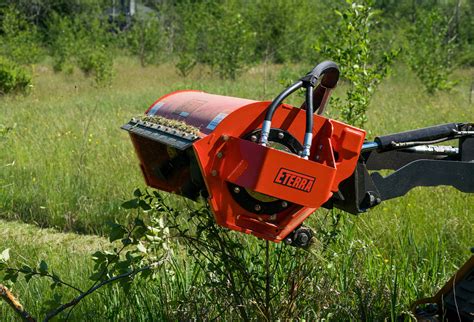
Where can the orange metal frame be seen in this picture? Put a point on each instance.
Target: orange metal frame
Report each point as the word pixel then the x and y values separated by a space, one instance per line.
pixel 225 157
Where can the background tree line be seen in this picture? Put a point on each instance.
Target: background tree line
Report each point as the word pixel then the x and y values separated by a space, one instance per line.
pixel 229 35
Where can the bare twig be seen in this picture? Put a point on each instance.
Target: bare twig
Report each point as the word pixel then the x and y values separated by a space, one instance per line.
pixel 8 297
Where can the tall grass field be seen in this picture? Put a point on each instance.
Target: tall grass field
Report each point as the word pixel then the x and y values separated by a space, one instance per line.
pixel 66 167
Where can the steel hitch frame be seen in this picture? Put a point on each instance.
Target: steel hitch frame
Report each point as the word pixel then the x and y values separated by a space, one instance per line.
pixel 415 162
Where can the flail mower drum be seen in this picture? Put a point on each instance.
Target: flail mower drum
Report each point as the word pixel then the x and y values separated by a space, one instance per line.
pixel 259 180
pixel 266 166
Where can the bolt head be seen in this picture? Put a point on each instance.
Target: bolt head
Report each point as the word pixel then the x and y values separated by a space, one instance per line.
pixel 236 189
pixel 284 204
pixel 220 155
pixel 257 208
pixel 214 173
pixel 253 138
pixel 371 199
pixel 281 135
pixel 303 239
pixel 225 137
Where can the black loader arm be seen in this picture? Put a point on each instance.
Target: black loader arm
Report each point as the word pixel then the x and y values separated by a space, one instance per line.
pixel 415 161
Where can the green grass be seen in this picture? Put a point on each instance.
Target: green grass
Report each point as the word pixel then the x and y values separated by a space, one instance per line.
pixel 66 164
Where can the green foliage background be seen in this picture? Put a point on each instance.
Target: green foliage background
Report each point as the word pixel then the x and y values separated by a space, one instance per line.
pixel 64 164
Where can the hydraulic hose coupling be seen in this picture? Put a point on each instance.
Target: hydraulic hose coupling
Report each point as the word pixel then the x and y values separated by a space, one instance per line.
pixel 265 132
pixel 308 138
pixel 327 73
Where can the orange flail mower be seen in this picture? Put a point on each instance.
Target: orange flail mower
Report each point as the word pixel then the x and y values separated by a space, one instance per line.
pixel 264 167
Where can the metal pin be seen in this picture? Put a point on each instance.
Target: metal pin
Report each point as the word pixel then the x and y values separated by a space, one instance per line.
pixel 236 189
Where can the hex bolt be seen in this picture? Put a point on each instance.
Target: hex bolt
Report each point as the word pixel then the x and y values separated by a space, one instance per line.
pixel 214 173
pixel 284 204
pixel 253 138
pixel 220 155
pixel 281 135
pixel 257 207
pixel 236 189
pixel 288 240
pixel 303 239
pixel 371 198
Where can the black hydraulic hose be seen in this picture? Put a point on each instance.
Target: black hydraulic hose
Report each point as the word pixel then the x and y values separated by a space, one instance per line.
pixel 272 108
pixel 277 101
pixel 327 73
pixel 308 137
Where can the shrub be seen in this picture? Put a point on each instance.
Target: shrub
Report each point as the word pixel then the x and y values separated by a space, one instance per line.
pixel 21 39
pixel 280 39
pixel 97 62
pixel 231 44
pixel 145 39
pixel 13 78
pixel 93 54
pixel 62 43
pixel 189 38
pixel 353 46
pixel 429 51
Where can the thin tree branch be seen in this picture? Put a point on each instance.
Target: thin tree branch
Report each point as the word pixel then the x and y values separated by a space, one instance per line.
pixel 79 298
pixel 8 297
pixel 54 278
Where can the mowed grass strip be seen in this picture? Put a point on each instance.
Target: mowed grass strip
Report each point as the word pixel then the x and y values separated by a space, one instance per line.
pixel 67 254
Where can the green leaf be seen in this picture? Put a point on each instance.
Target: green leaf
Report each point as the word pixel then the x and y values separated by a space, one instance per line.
pixel 131 204
pixel 137 193
pixel 144 205
pixel 117 232
pixel 139 222
pixel 5 255
pixel 11 275
pixel 28 277
pixel 43 268
pixel 141 248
